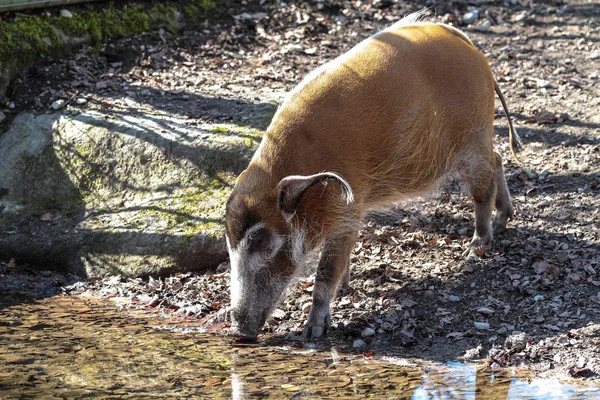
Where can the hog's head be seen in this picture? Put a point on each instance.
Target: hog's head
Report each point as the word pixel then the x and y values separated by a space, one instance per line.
pixel 267 240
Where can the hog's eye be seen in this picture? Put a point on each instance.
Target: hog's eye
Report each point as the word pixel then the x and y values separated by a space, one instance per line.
pixel 259 240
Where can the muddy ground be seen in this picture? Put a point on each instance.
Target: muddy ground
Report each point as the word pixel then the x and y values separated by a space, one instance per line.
pixel 532 301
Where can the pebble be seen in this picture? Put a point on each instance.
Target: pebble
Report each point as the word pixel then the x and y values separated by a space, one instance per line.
pixel 471 17
pixel 542 83
pixel 543 175
pixel 538 297
pixel 484 26
pixel 11 106
pixel 66 13
pixel 594 55
pixel 517 341
pixel 520 16
pixel 368 332
pixel 278 314
pixel 453 298
pixel 81 101
pixel 311 51
pixel 485 310
pixel 2 116
pixel 481 325
pixel 358 344
pixel 58 104
pixel 185 97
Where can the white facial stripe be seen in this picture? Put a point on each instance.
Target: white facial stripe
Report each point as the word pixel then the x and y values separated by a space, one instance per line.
pixel 241 258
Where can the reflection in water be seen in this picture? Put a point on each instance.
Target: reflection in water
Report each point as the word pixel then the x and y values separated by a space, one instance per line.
pixel 72 347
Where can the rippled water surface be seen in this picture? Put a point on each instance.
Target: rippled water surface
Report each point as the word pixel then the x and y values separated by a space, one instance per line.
pixel 70 347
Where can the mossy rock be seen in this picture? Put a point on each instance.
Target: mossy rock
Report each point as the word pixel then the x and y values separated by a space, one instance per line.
pixel 106 193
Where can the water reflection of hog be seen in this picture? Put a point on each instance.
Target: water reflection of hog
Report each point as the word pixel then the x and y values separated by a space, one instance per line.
pixel 385 121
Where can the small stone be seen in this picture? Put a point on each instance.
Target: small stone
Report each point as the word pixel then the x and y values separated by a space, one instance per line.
pixel 429 295
pixel 368 332
pixel 484 26
pixel 81 101
pixel 11 106
pixel 358 344
pixel 306 307
pixel 543 175
pixel 58 104
pixel 2 116
pixel 481 325
pixel 471 17
pixel 485 310
pixel 542 83
pixel 66 13
pixel 516 341
pixel 453 298
pixel 278 314
pixel 594 55
pixel 311 51
pixel 185 97
pixel 258 16
pixel 520 16
pixel 538 297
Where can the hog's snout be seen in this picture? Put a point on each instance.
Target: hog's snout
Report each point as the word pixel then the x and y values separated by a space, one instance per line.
pixel 245 326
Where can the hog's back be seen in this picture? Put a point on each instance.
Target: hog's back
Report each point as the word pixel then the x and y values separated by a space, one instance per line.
pixel 392 116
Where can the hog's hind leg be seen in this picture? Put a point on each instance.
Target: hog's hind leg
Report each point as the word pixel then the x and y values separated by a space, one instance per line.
pixel 504 209
pixel 332 270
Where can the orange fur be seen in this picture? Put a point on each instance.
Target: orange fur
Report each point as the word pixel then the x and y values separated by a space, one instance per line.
pixel 392 116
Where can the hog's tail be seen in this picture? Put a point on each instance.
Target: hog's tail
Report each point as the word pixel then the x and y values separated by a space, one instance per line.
pixel 513 136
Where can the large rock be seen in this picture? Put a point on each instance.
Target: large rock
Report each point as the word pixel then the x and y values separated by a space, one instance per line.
pixel 117 193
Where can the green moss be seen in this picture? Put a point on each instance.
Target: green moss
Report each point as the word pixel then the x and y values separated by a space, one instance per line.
pixel 33 37
pixel 198 9
pixel 26 35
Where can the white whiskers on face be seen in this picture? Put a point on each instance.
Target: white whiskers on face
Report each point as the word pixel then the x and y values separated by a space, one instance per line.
pixel 234 261
pixel 298 247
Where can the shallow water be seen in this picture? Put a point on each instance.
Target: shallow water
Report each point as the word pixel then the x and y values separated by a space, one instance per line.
pixel 71 347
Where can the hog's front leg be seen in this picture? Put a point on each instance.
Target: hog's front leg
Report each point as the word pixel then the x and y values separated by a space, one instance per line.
pixel 333 266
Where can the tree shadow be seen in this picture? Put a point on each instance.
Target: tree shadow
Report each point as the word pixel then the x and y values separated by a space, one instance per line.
pixel 191 105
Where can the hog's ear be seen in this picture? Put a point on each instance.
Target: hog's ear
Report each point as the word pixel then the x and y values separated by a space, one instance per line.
pixel 240 175
pixel 292 188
